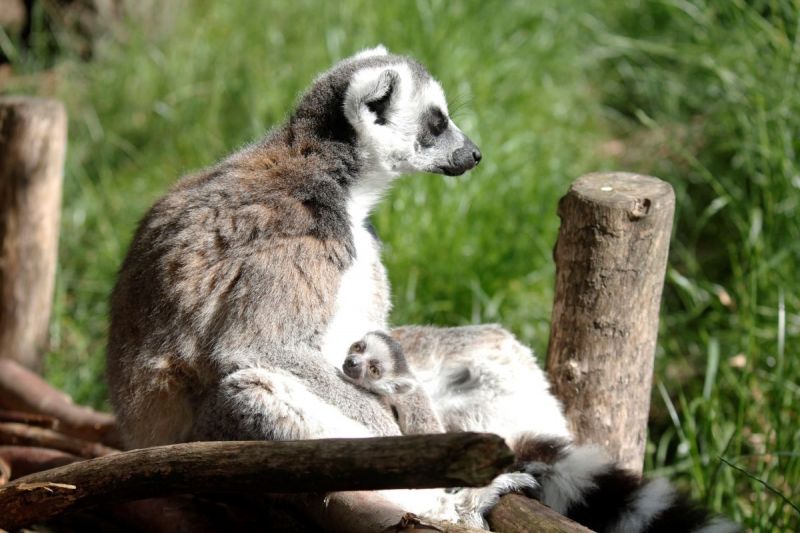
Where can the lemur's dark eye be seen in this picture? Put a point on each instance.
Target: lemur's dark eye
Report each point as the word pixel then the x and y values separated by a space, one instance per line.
pixel 358 347
pixel 374 371
pixel 437 122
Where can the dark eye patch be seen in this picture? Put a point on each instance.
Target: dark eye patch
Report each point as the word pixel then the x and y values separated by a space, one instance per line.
pixel 433 124
pixel 437 121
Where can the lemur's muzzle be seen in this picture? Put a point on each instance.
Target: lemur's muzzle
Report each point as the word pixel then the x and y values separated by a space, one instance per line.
pixel 353 367
pixel 463 159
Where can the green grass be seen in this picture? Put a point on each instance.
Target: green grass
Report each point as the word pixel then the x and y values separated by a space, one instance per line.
pixel 703 94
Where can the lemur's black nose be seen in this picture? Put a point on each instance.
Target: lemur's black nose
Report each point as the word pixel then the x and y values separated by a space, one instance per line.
pixel 476 155
pixel 352 367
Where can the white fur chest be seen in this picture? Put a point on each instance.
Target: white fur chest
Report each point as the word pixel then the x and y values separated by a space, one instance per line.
pixel 354 316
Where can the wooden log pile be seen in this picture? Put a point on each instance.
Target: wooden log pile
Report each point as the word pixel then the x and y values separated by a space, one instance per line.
pixel 59 466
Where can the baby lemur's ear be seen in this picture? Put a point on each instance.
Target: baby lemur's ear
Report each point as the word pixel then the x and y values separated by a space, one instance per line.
pixel 403 385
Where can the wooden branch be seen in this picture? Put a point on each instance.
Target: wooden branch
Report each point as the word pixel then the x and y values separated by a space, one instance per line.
pixel 33 138
pixel 25 460
pixel 31 419
pixel 610 257
pixel 518 514
pixel 418 461
pixel 23 390
pixel 24 435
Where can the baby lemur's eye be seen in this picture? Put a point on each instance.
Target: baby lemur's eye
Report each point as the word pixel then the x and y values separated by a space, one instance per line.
pixel 374 371
pixel 358 347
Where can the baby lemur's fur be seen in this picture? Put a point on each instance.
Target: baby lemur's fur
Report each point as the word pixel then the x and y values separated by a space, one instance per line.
pixel 377 364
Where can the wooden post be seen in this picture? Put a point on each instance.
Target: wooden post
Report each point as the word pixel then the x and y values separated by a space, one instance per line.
pixel 610 257
pixel 33 135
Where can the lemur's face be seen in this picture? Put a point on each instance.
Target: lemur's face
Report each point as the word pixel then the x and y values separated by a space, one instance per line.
pixel 400 116
pixel 364 367
pixel 370 364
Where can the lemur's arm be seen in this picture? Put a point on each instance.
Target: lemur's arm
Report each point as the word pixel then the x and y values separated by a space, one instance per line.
pixel 415 413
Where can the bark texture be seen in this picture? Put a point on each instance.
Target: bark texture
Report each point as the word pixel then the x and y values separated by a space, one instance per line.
pixel 518 514
pixel 24 460
pixel 418 461
pixel 23 390
pixel 15 434
pixel 610 258
pixel 33 137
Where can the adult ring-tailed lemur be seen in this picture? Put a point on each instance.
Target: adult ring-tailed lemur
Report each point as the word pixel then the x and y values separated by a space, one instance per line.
pixel 245 285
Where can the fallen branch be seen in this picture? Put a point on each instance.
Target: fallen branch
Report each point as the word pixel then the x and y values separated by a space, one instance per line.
pixel 25 460
pixel 31 419
pixel 518 514
pixel 23 435
pixel 417 461
pixel 23 390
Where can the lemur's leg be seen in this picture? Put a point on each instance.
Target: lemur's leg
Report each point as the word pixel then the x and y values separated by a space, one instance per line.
pixel 261 404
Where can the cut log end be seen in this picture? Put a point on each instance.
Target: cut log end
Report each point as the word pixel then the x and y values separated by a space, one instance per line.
pixel 623 190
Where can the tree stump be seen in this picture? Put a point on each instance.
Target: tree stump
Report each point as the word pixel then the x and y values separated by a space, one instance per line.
pixel 33 135
pixel 610 257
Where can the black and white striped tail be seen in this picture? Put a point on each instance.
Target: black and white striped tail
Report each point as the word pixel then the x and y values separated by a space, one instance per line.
pixel 581 483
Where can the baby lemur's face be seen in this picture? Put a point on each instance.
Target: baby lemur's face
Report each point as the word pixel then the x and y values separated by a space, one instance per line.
pixel 376 363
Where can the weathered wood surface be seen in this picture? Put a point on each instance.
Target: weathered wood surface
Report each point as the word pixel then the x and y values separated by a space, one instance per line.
pixel 33 137
pixel 31 419
pixel 610 260
pixel 15 434
pixel 25 391
pixel 25 460
pixel 419 461
pixel 518 514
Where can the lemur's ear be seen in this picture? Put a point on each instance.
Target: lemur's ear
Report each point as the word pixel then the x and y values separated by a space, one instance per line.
pixel 403 385
pixel 370 95
pixel 379 50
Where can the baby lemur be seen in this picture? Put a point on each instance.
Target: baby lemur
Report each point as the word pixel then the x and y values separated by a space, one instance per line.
pixel 377 363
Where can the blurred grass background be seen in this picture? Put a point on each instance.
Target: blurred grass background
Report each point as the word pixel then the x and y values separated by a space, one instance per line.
pixel 704 94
